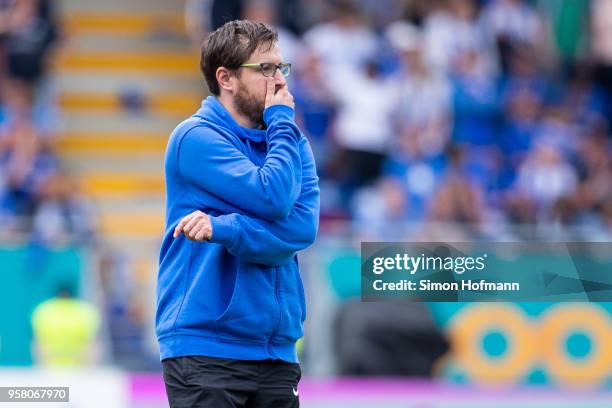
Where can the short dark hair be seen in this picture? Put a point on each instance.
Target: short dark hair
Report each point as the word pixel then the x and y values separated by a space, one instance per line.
pixel 231 45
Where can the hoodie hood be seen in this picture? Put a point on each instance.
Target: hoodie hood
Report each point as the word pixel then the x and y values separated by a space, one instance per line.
pixel 213 111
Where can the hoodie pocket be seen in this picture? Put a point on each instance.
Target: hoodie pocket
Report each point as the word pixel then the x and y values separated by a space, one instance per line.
pixel 293 308
pixel 251 309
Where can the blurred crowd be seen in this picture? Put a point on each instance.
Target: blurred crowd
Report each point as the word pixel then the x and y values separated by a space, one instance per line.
pixel 38 197
pixel 489 114
pixel 478 112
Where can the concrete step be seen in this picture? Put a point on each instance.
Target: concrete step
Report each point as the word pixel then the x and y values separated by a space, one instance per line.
pixel 116 48
pixel 126 163
pixel 113 43
pixel 123 22
pixel 173 104
pixel 99 62
pixel 133 205
pixel 140 6
pixel 111 144
pixel 139 218
pixel 119 82
pixel 138 247
pixel 120 123
pixel 106 184
pixel 138 224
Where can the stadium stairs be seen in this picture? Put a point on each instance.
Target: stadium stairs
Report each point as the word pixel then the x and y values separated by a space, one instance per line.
pixel 125 76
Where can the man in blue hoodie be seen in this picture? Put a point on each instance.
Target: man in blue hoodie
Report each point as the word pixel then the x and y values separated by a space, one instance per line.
pixel 242 199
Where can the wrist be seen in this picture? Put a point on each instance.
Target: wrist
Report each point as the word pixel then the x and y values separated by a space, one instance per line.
pixel 222 229
pixel 278 111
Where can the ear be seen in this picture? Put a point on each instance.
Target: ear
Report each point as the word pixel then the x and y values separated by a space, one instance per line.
pixel 226 79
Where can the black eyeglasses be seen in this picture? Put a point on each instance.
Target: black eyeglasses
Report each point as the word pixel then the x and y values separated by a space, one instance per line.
pixel 268 69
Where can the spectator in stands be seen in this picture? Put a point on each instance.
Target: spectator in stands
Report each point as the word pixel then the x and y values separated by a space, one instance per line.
pixel 595 174
pixel 451 30
pixel 514 21
pixel 520 124
pixel 411 178
pixel 123 308
pixel 583 98
pixel 525 72
pixel 544 177
pixel 24 102
pixel 204 16
pixel 266 12
pixel 65 330
pixel 381 13
pixel 26 165
pixel 605 224
pixel 511 24
pixel 557 129
pixel 364 125
pixel 29 32
pixel 63 214
pixel 458 199
pixel 427 118
pixel 475 100
pixel 343 44
pixel 316 105
pixel 601 23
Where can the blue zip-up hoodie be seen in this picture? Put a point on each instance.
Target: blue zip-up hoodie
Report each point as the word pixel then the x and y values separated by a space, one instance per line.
pixel 239 295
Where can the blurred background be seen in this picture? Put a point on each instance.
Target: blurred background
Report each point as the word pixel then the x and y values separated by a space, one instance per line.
pixel 439 120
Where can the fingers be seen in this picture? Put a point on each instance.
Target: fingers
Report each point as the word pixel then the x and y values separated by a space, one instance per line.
pixel 204 230
pixel 187 223
pixel 181 224
pixel 284 97
pixel 270 88
pixel 193 232
pixel 203 234
pixel 192 223
pixel 190 230
pixel 281 97
pixel 195 226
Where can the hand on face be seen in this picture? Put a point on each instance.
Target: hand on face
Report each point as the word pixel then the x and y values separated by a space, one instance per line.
pixel 280 97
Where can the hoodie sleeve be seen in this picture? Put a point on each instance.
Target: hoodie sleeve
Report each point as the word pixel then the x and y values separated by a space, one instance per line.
pixel 274 243
pixel 211 162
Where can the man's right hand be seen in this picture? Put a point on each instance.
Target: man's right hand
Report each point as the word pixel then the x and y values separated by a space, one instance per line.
pixel 196 227
pixel 282 97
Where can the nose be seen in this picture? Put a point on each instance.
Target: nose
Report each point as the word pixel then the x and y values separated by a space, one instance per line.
pixel 279 79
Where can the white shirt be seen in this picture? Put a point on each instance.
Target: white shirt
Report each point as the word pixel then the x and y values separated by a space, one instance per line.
pixel 364 120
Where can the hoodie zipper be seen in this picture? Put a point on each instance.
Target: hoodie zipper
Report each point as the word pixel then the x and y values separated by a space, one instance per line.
pixel 278 311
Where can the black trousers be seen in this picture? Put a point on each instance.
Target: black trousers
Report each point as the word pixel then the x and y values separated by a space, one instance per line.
pixel 198 382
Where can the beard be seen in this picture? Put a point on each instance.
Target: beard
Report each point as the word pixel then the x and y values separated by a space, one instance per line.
pixel 248 105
